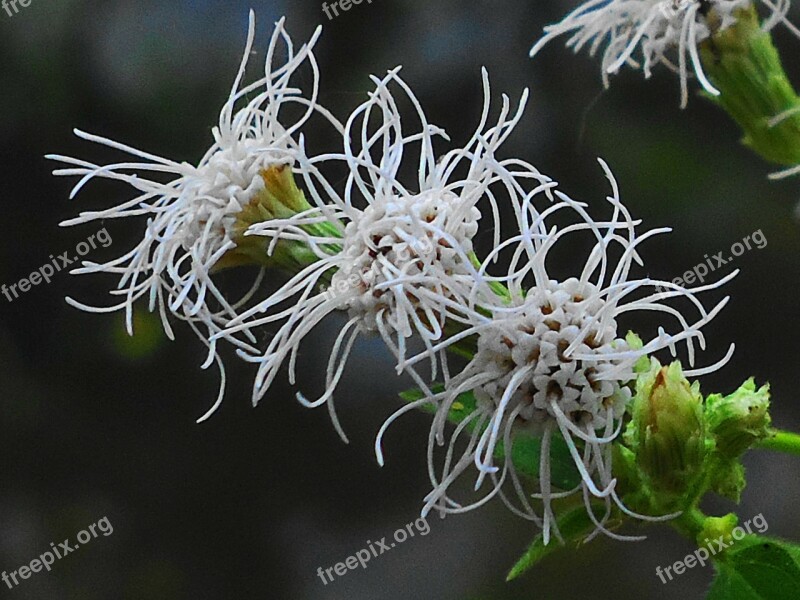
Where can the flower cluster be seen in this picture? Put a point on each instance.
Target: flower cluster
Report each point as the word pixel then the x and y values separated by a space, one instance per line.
pixel 665 32
pixel 398 256
pixel 552 359
pixel 402 266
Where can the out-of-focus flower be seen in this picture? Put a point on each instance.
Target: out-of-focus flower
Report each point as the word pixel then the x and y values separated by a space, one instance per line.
pixel 657 29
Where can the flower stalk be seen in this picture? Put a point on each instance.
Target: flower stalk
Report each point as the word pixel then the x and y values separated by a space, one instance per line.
pixel 781 441
pixel 744 65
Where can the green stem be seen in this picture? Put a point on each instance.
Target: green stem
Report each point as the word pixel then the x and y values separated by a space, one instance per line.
pixel 781 441
pixel 744 65
pixel 690 523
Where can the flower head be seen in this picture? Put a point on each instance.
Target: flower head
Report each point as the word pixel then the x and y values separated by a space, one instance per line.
pixel 552 358
pixel 657 29
pixel 401 264
pixel 195 214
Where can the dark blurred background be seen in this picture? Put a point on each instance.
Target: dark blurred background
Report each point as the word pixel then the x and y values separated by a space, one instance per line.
pixel 252 502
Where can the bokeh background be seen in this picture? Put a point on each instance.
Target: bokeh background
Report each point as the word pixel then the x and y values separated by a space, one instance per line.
pixel 252 502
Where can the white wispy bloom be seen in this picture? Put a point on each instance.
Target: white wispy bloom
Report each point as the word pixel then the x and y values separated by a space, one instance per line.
pixel 401 265
pixel 191 211
pixel 657 29
pixel 552 360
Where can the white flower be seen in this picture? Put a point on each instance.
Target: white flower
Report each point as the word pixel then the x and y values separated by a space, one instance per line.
pixel 191 211
pixel 657 29
pixel 552 360
pixel 401 265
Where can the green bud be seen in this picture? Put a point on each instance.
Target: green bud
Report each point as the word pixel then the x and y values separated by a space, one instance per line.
pixel 667 433
pixel 717 527
pixel 739 420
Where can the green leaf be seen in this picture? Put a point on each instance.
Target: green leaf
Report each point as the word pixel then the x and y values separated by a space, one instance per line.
pixel 759 569
pixel 526 447
pixel 526 453
pixel 573 525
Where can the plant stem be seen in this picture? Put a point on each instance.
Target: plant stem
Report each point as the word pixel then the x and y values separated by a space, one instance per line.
pixel 690 523
pixel 744 65
pixel 782 441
